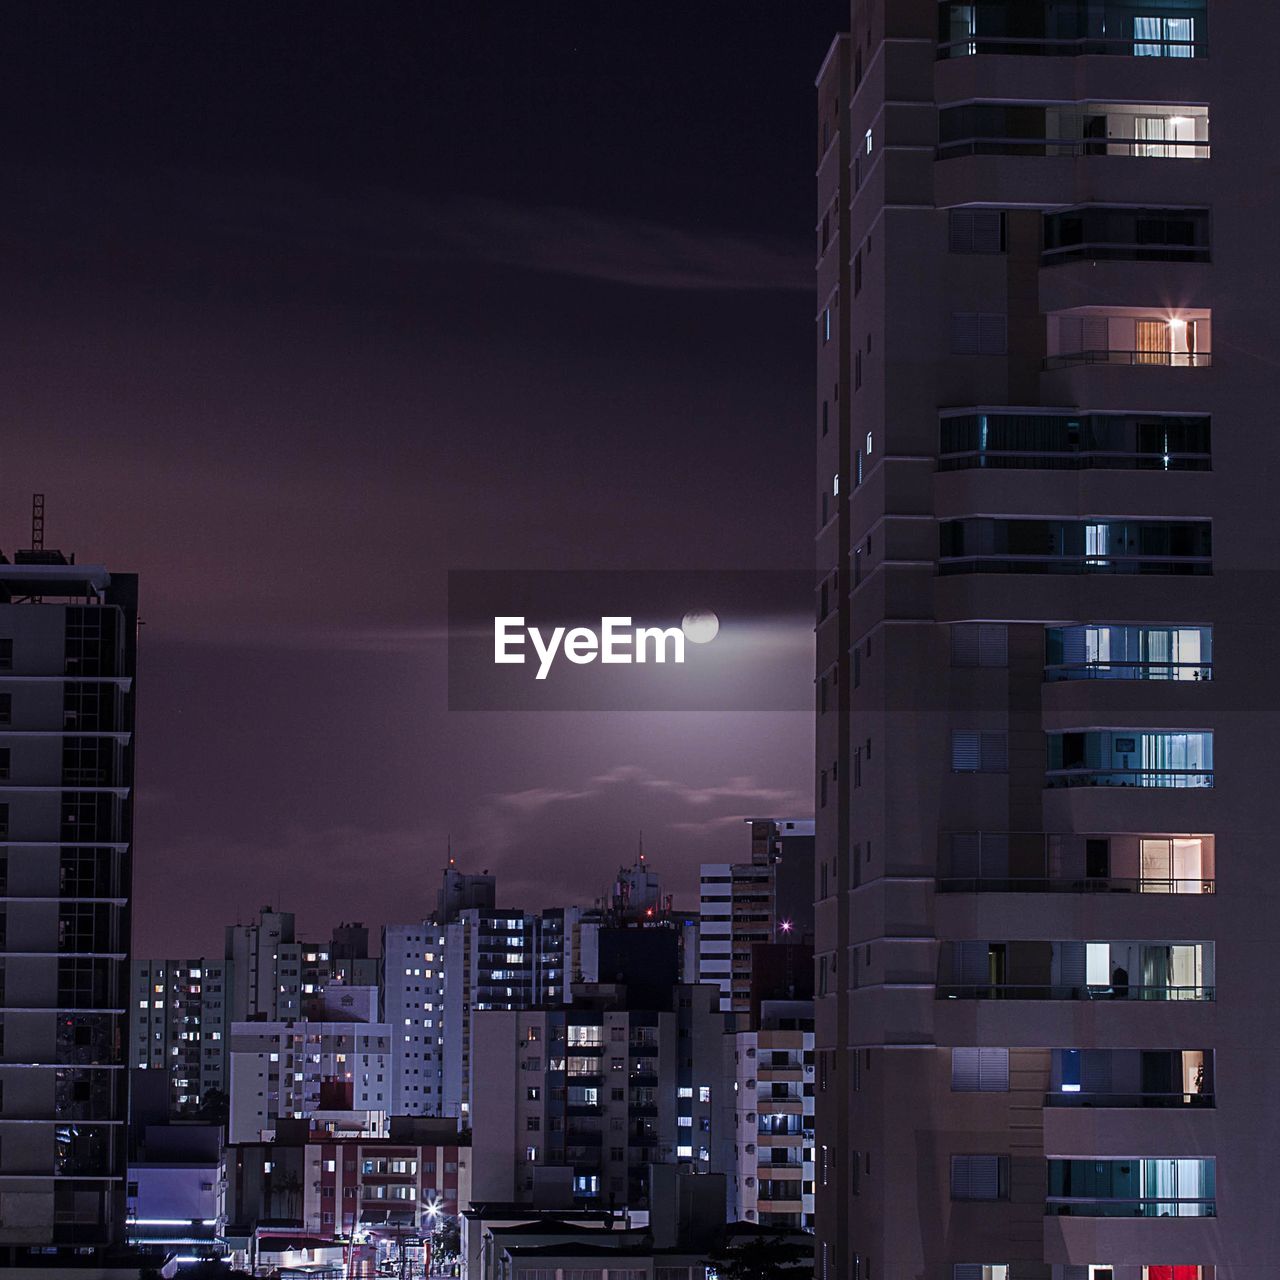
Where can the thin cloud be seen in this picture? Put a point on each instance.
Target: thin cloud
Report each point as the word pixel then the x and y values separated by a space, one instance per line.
pixel 509 820
pixel 382 224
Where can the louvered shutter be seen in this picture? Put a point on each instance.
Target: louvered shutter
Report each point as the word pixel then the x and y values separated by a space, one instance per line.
pixel 966 750
pixel 973 963
pixel 993 644
pixel 988 231
pixel 993 334
pixel 1095 1071
pixel 995 752
pixel 966 1070
pixel 1071 964
pixel 964 644
pixel 964 333
pixel 975 1177
pixel 976 231
pixel 1096 334
pixel 993 1070
pixel 961 225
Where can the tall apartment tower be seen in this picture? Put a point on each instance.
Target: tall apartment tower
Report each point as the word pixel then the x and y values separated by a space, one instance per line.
pixel 1046 1028
pixel 743 905
pixel 67 658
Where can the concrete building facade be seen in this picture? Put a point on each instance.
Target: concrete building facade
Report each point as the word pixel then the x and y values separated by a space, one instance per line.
pixel 67 662
pixel 1044 1029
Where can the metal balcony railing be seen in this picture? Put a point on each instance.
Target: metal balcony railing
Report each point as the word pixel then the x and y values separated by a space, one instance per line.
pixel 1195 566
pixel 1131 1100
pixel 1072 884
pixel 1068 991
pixel 1065 1206
pixel 1141 148
pixel 1191 672
pixel 1167 359
pixel 1178 779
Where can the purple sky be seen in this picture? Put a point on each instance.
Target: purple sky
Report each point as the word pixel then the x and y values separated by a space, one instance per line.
pixel 308 304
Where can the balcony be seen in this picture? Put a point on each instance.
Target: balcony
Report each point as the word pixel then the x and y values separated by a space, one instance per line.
pixel 1130 337
pixel 1132 1188
pixel 1072 970
pixel 1099 233
pixel 1124 28
pixel 1143 131
pixel 1131 1079
pixel 1071 862
pixel 987 544
pixel 1066 441
pixel 1130 758
pixel 1111 652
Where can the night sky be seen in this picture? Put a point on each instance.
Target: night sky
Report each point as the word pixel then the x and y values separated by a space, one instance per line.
pixel 307 304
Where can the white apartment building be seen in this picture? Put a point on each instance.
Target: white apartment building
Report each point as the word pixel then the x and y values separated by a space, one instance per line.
pixel 337 1074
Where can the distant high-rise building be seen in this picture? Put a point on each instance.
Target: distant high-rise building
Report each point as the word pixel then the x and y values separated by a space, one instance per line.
pixel 67 663
pixel 1045 316
pixel 180 1010
pixel 459 893
pixel 413 979
pixel 270 974
pixel 767 899
pixel 636 892
pixel 178 1025
pixel 771 1181
pixel 578 1102
pixel 334 1071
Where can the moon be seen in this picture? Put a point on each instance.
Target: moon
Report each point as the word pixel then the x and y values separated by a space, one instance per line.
pixel 700 626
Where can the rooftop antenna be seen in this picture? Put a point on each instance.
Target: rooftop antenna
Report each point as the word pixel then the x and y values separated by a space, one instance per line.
pixel 37 522
pixel 642 844
pixel 449 849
